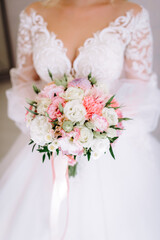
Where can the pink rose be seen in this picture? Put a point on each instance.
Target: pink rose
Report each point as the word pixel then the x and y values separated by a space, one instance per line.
pixel 53 109
pixel 92 106
pixel 100 123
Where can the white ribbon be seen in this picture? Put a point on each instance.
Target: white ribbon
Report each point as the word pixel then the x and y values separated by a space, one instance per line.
pixel 59 194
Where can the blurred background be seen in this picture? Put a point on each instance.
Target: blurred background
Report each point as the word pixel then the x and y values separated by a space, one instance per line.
pixel 9 19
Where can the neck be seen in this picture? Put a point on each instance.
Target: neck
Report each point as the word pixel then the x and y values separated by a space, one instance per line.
pixel 81 3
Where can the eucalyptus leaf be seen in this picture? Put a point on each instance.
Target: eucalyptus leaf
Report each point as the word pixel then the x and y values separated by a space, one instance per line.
pixel 36 89
pixel 50 75
pixel 35 113
pixel 60 108
pixel 33 147
pixel 89 76
pixel 124 119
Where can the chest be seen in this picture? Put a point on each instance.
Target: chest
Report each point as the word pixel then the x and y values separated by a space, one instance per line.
pixel 102 53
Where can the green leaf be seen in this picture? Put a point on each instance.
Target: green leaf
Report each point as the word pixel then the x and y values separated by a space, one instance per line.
pixel 65 77
pixel 111 151
pixel 93 80
pixel 116 128
pixel 48 154
pixel 124 119
pixel 89 76
pixel 88 154
pixel 36 90
pixel 112 140
pixel 33 147
pixel 31 141
pixel 50 75
pixel 43 158
pixel 57 150
pixel 31 102
pixel 109 101
pixel 35 113
pixel 60 108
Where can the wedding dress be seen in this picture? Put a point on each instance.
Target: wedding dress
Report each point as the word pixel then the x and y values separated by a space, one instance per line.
pixel 108 199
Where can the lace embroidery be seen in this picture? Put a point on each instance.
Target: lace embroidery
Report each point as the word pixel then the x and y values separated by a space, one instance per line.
pixel 24 43
pixel 129 35
pixel 139 50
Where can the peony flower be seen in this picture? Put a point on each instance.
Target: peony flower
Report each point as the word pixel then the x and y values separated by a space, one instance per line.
pixel 86 137
pixel 39 128
pixel 111 116
pixel 73 93
pixel 42 105
pixel 75 111
pixel 53 109
pixel 92 106
pixel 100 123
pixel 82 83
pixel 51 90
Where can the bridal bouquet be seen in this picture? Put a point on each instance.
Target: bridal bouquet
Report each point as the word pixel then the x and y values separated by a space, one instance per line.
pixel 75 117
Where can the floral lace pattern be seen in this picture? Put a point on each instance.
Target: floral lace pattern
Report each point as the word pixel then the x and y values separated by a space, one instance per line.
pixel 127 41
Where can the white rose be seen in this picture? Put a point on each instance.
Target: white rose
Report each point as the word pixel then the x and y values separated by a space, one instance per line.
pixel 42 105
pixel 69 147
pixel 75 111
pixel 111 116
pixel 111 133
pixel 39 128
pixel 99 147
pixel 86 137
pixel 73 93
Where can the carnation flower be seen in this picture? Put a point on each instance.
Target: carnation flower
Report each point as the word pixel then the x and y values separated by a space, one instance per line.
pixel 92 106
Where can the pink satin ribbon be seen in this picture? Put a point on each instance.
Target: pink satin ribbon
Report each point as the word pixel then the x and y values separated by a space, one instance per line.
pixel 60 194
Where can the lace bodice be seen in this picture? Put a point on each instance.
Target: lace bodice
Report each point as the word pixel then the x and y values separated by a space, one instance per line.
pixel 126 44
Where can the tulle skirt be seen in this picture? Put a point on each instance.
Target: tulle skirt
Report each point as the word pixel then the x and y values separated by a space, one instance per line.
pixel 108 199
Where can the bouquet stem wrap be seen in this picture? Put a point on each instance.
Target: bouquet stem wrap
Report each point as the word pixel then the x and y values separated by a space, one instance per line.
pixel 60 194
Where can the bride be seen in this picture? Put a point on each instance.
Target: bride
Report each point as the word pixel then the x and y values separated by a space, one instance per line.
pixel 108 200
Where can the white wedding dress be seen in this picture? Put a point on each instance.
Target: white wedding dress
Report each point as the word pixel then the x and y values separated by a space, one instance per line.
pixel 108 199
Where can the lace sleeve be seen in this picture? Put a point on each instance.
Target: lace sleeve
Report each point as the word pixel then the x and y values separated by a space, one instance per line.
pixel 138 89
pixel 23 76
pixel 138 55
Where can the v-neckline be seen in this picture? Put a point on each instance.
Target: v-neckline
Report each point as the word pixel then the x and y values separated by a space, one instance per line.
pixel 65 49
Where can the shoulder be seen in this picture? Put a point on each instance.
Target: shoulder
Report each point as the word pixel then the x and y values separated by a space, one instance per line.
pixel 125 6
pixel 37 6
